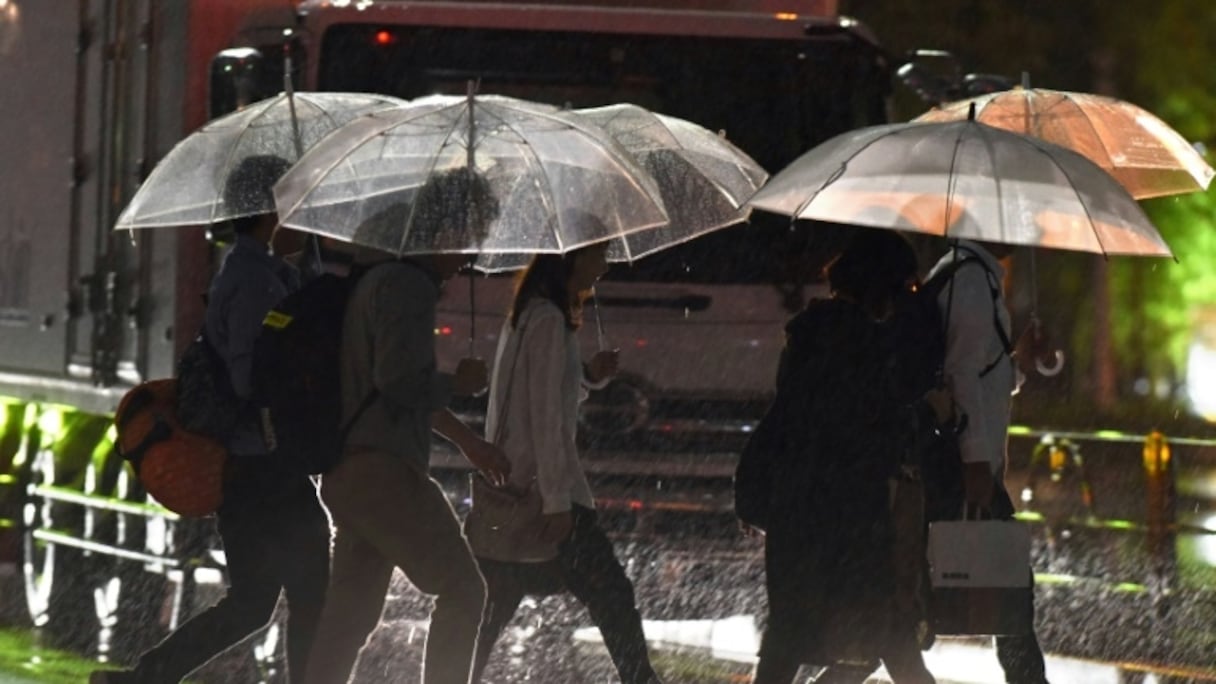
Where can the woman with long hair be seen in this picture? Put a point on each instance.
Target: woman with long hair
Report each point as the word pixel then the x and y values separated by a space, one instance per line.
pixel 538 382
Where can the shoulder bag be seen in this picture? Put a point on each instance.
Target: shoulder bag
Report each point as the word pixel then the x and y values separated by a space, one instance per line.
pixel 504 523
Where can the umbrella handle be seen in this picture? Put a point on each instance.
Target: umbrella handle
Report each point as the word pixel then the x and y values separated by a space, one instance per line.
pixel 471 91
pixel 599 322
pixel 289 89
pixel 472 314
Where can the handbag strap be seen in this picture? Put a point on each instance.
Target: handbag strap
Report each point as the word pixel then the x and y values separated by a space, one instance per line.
pixel 501 425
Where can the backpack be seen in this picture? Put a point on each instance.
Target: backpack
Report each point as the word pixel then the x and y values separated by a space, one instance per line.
pixel 181 469
pixel 920 351
pixel 296 373
pixel 206 401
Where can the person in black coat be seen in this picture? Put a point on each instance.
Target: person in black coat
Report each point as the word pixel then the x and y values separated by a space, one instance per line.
pixel 817 475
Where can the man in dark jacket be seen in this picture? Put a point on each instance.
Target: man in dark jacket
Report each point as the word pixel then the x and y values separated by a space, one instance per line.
pixel 274 529
pixel 387 510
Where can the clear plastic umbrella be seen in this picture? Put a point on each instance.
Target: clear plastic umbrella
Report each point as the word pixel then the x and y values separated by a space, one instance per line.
pixel 1141 151
pixel 704 179
pixel 963 179
pixel 187 187
pixel 543 181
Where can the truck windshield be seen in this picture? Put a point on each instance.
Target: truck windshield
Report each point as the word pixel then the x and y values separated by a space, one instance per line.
pixel 772 98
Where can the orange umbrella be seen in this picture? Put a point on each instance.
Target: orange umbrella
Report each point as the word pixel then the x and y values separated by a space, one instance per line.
pixel 1141 151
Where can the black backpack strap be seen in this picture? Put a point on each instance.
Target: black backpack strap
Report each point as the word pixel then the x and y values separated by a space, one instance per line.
pixel 994 288
pixel 357 271
pixel 363 406
pixel 945 277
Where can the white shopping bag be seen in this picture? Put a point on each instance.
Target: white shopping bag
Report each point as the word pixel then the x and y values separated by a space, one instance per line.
pixel 980 577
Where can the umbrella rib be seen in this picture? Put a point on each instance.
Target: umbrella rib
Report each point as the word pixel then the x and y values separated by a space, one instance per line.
pixel 547 196
pixel 235 146
pixel 836 175
pixel 1097 136
pixel 1073 186
pixel 832 178
pixel 1027 111
pixel 622 159
pixel 952 179
pixel 682 149
pixel 409 222
pixel 320 177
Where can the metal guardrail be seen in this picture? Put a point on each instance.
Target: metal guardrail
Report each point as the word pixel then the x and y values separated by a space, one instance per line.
pixel 105 503
pixel 65 539
pixel 1107 436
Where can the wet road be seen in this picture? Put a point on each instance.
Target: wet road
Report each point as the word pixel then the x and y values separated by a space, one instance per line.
pixel 1113 604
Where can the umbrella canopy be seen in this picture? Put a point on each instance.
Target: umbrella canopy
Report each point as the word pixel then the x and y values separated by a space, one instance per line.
pixel 540 179
pixel 963 179
pixel 1141 151
pixel 187 187
pixel 704 180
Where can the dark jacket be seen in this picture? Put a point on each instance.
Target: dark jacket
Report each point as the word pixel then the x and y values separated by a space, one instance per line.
pixel 249 283
pixel 388 350
pixel 818 475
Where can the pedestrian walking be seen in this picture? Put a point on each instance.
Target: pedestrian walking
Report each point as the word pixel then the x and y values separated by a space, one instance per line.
pixel 981 373
pixel 539 381
pixel 274 530
pixel 387 510
pixel 817 478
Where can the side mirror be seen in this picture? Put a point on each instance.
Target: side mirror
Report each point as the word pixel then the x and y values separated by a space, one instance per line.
pixel 238 77
pixel 934 75
pixel 220 234
pixel 983 84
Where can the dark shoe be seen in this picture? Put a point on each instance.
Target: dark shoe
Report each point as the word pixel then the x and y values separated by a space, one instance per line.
pixel 112 677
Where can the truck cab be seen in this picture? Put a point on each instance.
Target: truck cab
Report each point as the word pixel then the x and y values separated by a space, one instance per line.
pixel 105 89
pixel 699 326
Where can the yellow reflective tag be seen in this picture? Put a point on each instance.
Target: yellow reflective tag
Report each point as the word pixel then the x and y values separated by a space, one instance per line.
pixel 276 319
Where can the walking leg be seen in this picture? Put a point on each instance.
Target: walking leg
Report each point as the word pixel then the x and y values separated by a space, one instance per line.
pixel 503 596
pixel 591 571
pixel 305 571
pixel 778 663
pixel 253 591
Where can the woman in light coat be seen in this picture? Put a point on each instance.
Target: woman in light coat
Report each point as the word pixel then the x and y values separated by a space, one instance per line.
pixel 538 383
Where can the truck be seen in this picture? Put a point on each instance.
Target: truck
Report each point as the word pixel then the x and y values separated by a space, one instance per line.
pixel 99 90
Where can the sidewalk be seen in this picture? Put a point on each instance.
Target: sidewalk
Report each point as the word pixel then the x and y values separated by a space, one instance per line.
pixel 734 641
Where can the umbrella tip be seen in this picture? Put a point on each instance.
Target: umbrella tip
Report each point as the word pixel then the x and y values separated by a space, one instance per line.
pixel 971 112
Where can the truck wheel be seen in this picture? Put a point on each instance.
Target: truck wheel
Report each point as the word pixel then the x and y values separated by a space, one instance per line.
pixel 129 599
pixel 56 586
pixel 270 651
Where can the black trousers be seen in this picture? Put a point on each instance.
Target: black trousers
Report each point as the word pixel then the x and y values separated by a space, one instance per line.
pixel 281 545
pixel 780 658
pixel 586 566
pixel 1020 656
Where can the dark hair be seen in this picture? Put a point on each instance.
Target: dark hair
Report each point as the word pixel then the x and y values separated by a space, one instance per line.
pixel 874 267
pixel 451 204
pixel 548 276
pixel 249 189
